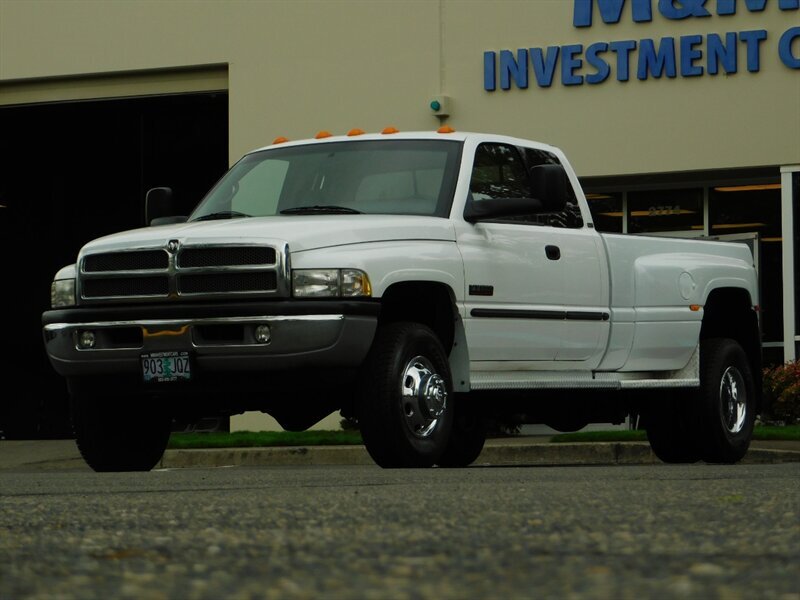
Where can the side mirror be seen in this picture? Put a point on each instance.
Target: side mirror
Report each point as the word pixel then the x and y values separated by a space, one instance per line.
pixel 550 186
pixel 482 210
pixel 159 208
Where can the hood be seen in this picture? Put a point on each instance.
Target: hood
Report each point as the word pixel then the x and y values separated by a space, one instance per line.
pixel 301 232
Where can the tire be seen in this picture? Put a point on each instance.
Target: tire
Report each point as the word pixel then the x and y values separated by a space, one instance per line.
pixel 670 426
pixel 404 407
pixel 727 401
pixel 111 439
pixel 467 436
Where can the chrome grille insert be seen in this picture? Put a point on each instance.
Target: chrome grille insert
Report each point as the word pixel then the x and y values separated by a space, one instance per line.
pixel 225 256
pixel 217 283
pixel 123 287
pixel 136 260
pixel 195 271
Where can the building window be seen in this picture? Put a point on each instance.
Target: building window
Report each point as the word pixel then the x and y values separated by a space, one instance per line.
pixel 607 211
pixel 746 208
pixel 665 210
pixel 755 209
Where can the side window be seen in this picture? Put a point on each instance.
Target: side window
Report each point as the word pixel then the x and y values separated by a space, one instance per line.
pixel 499 172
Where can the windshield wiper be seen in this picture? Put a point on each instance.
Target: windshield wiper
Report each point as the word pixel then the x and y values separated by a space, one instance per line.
pixel 226 214
pixel 327 209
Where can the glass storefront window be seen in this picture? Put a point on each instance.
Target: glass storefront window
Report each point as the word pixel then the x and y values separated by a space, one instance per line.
pixel 665 210
pixel 746 208
pixel 606 211
pixel 755 208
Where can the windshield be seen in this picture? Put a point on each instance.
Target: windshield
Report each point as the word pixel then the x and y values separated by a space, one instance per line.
pixel 406 177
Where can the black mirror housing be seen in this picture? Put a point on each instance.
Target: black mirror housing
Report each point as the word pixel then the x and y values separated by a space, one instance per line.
pixel 159 208
pixel 551 186
pixel 482 210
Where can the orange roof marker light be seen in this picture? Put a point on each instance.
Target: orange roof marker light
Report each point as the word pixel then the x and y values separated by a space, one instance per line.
pixel 280 140
pixel 389 130
pixel 355 131
pixel 322 135
pixel 445 129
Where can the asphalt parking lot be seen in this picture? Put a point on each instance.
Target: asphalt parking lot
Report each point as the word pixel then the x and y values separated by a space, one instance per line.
pixel 624 531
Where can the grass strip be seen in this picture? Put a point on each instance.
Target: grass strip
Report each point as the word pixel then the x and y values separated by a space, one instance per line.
pixel 250 439
pixel 254 439
pixel 762 432
pixel 622 435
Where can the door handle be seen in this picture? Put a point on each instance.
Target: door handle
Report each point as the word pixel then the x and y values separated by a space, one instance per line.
pixel 552 252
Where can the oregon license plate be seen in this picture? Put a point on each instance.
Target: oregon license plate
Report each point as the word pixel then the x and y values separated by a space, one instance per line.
pixel 166 366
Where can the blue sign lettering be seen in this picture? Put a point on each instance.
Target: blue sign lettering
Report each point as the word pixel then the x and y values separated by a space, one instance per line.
pixel 681 9
pixel 688 55
pixel 544 65
pixel 570 63
pixel 489 74
pixel 610 11
pixel 642 10
pixel 718 53
pixel 623 50
pixel 593 57
pixel 656 63
pixel 516 69
pixel 785 48
pixel 753 40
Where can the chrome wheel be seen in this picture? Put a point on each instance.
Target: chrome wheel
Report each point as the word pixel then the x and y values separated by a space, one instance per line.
pixel 404 406
pixel 723 418
pixel 423 396
pixel 733 399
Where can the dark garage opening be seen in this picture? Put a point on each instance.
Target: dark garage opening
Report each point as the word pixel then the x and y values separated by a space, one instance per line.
pixel 71 172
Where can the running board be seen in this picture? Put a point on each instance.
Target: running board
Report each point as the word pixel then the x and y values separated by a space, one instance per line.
pixel 529 381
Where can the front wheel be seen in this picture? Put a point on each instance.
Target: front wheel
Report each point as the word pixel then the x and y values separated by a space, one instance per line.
pixel 670 425
pixel 727 401
pixel 110 437
pixel 467 436
pixel 405 407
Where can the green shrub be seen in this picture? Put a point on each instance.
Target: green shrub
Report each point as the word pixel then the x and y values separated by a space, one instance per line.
pixel 782 393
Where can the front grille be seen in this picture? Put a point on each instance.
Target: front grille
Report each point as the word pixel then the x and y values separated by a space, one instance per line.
pixel 137 260
pixel 196 272
pixel 217 283
pixel 226 256
pixel 125 287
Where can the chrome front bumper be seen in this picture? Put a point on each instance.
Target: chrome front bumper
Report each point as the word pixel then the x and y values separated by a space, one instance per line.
pixel 217 342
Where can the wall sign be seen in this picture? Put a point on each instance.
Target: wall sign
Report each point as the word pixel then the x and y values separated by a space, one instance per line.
pixel 684 56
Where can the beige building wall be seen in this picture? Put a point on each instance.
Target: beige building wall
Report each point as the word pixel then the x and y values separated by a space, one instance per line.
pixel 295 67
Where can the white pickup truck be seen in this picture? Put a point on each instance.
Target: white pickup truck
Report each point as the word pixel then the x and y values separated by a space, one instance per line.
pixel 423 284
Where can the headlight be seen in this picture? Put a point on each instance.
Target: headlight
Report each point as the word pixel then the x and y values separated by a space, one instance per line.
pixel 62 293
pixel 330 283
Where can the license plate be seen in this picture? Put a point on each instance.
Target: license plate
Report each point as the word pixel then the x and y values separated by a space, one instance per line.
pixel 166 366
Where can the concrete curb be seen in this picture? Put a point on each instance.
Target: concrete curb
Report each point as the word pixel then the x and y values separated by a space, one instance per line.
pixel 604 453
pixel 57 455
